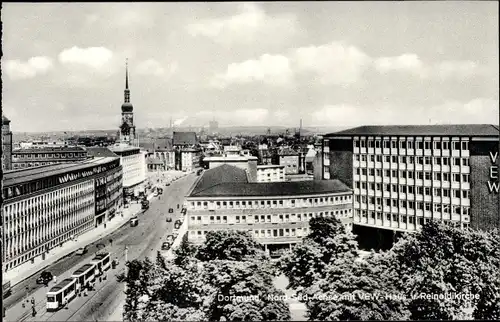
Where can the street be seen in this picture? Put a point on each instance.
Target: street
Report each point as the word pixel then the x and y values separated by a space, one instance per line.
pixel 142 241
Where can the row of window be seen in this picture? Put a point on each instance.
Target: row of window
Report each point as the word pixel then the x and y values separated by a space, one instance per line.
pixel 420 205
pixel 420 190
pixel 399 219
pixel 410 159
pixel 419 175
pixel 49 198
pixel 410 145
pixel 49 155
pixel 261 233
pixel 29 253
pixel 274 218
pixel 303 202
pixel 19 224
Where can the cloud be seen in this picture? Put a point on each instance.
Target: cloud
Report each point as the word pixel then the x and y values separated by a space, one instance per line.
pixel 457 68
pixel 333 63
pixel 95 57
pixel 155 68
pixel 247 25
pixel 16 69
pixel 269 69
pixel 476 111
pixel 179 121
pixel 406 62
pixel 243 116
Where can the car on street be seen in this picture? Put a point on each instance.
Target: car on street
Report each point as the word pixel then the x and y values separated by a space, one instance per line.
pixel 155 194
pixel 165 246
pixel 169 219
pixel 183 211
pixel 170 210
pixel 168 184
pixel 45 277
pixel 81 251
pixel 170 238
pixel 134 221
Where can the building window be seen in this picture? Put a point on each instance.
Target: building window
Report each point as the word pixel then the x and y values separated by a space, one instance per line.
pixel 377 144
pixel 465 146
pixel 456 145
pixel 456 177
pixel 465 177
pixel 427 145
pixel 456 161
pixel 465 162
pixel 437 145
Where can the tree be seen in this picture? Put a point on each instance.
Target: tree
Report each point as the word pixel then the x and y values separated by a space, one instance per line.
pixel 229 245
pixel 186 252
pixel 243 291
pixel 327 241
pixel 442 260
pixel 359 290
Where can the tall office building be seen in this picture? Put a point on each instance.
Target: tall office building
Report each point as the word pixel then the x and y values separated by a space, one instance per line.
pixel 46 206
pixel 403 176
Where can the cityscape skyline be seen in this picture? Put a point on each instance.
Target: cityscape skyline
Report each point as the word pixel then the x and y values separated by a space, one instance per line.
pixel 320 70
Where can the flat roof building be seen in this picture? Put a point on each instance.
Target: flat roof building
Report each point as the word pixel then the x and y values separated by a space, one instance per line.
pixel 404 176
pixel 46 206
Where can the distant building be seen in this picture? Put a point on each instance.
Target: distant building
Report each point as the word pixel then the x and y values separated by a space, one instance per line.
pixel 290 160
pixel 133 162
pixel 184 139
pixel 247 163
pixel 213 126
pixel 6 144
pixel 276 213
pixel 270 173
pixel 189 159
pixel 232 150
pixel 34 157
pixel 46 206
pixel 155 164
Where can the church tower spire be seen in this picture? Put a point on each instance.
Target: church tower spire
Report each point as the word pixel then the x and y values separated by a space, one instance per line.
pixel 127 90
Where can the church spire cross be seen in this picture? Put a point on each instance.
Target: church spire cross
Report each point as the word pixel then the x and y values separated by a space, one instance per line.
pixel 127 91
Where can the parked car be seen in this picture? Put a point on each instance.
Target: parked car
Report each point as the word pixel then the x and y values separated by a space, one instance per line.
pixel 169 219
pixel 170 238
pixel 6 289
pixel 170 210
pixel 45 277
pixel 134 221
pixel 81 251
pixel 183 211
pixel 165 246
pixel 168 184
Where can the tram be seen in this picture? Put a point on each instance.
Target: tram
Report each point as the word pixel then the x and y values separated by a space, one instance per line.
pixel 61 294
pixel 85 276
pixel 102 262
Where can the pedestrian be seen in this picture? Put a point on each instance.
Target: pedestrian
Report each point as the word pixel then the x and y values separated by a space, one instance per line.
pixel 55 279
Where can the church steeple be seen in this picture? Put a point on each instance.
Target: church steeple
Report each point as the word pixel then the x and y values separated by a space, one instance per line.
pixel 127 91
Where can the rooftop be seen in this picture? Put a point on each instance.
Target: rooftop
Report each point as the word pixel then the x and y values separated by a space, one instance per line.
pixel 49 149
pixel 184 138
pixel 13 177
pixel 101 152
pixel 230 181
pixel 422 130
pixel 230 158
pixel 267 166
pixel 123 148
pixel 61 285
pixel 83 269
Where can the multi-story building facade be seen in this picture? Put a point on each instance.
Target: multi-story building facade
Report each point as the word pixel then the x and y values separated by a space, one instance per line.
pixel 189 159
pixel 45 206
pixel 276 213
pixel 133 162
pixel 270 173
pixel 34 157
pixel 404 176
pixel 6 144
pixel 291 162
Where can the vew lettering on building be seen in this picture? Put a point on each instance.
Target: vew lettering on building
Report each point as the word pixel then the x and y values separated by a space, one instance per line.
pixel 493 183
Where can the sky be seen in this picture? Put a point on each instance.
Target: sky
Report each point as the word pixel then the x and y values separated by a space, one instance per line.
pixel 244 64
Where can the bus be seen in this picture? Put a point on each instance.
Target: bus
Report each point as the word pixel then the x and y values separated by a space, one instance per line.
pixel 61 294
pixel 6 289
pixel 102 263
pixel 84 276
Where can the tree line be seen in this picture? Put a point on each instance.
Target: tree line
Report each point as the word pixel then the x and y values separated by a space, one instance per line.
pixel 439 273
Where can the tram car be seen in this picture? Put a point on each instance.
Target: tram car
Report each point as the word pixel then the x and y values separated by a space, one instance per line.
pixel 61 294
pixel 85 277
pixel 102 263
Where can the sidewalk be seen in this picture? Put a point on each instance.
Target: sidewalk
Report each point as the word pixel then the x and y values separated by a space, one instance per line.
pixel 20 273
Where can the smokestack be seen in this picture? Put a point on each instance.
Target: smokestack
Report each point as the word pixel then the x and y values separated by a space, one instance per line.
pixel 300 128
